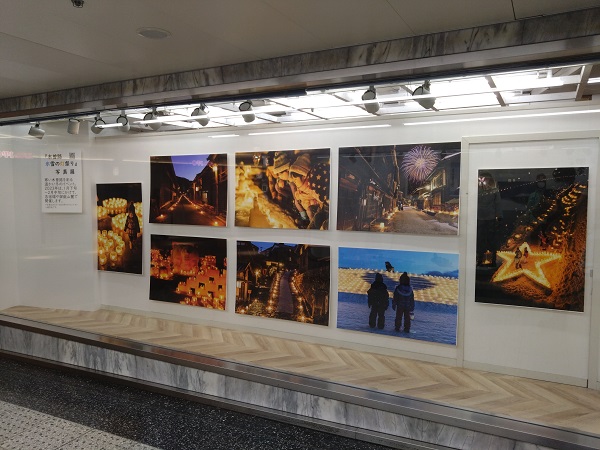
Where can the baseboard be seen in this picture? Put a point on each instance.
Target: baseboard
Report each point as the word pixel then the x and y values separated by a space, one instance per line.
pixel 543 376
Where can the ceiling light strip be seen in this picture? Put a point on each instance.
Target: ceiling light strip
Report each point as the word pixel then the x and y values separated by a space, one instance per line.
pixel 507 117
pixel 264 133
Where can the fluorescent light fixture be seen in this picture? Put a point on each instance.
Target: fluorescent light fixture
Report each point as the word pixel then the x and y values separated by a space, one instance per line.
pixel 594 80
pixel 308 130
pixel 525 81
pixel 218 136
pixel 512 116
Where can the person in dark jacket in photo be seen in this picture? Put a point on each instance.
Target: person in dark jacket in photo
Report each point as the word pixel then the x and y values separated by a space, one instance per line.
pixel 379 302
pixel 403 302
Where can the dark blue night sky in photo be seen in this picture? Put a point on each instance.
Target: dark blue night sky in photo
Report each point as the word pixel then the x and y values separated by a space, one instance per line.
pixel 188 166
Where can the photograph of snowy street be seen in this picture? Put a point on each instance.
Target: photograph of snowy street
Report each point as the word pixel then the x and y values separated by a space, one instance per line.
pixel 398 293
pixel 412 189
pixel 531 237
pixel 283 281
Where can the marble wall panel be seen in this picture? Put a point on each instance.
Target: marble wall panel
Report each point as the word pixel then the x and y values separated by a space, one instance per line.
pixel 563 26
pixel 249 392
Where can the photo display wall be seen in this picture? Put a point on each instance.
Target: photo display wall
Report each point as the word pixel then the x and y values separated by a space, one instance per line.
pixel 531 237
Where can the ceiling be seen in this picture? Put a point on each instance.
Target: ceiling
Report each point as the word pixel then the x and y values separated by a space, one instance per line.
pixel 50 45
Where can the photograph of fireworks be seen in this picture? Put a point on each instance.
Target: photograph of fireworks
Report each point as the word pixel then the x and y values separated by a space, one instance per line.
pixel 400 293
pixel 412 189
pixel 120 227
pixel 188 270
pixel 283 281
pixel 531 237
pixel 283 189
pixel 189 189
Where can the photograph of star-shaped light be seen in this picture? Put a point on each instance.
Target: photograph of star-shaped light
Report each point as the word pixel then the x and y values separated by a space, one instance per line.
pixel 531 237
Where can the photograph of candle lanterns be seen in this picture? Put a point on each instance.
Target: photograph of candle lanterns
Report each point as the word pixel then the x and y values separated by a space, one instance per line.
pixel 411 189
pixel 189 189
pixel 283 189
pixel 120 227
pixel 531 237
pixel 283 281
pixel 367 281
pixel 188 270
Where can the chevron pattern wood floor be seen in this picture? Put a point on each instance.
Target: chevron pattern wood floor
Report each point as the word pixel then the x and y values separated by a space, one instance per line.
pixel 525 399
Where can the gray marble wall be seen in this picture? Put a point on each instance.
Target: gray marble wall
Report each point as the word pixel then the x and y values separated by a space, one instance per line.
pixel 388 425
pixel 574 35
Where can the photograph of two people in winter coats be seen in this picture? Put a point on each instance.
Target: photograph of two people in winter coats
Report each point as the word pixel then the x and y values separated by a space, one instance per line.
pixel 398 293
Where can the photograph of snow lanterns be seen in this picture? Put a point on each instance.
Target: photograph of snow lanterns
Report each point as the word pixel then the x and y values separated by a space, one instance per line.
pixel 283 281
pixel 531 237
pixel 283 189
pixel 120 227
pixel 411 189
pixel 188 270
pixel 189 189
pixel 368 279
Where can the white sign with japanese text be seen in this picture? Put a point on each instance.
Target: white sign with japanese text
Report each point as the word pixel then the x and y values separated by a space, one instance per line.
pixel 61 182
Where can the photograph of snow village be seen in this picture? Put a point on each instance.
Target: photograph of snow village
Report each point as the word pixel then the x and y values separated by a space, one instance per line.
pixel 411 189
pixel 283 281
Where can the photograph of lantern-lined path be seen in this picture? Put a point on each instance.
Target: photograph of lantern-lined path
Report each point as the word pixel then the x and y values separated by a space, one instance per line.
pixel 283 281
pixel 433 278
pixel 189 189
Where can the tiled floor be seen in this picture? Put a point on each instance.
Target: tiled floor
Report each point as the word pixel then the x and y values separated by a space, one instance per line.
pixel 49 409
pixel 24 428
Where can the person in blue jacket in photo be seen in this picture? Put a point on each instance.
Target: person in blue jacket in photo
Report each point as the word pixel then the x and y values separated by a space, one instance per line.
pixel 403 303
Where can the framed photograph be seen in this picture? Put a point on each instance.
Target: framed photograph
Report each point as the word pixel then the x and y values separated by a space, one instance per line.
pixel 283 189
pixel 283 281
pixel 120 219
pixel 188 270
pixel 531 237
pixel 398 293
pixel 189 189
pixel 412 189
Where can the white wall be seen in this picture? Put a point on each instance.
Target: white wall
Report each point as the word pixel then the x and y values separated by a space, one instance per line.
pixel 546 344
pixel 55 252
pixel 8 248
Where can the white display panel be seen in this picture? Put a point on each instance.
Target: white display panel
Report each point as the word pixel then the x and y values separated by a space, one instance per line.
pixel 520 338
